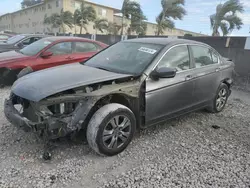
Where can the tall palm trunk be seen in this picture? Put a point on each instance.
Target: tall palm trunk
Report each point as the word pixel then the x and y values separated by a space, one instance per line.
pixel 122 30
pixel 81 30
pixel 161 21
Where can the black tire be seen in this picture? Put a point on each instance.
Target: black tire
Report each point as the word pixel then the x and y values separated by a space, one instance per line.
pixel 8 76
pixel 213 108
pixel 24 72
pixel 101 121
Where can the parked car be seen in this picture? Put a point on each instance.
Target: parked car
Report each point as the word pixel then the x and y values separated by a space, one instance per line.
pixel 45 53
pixel 4 37
pixel 131 84
pixel 18 42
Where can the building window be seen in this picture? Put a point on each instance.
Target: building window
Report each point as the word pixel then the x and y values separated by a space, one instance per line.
pixel 102 12
pixel 57 3
pixel 49 6
pixel 43 8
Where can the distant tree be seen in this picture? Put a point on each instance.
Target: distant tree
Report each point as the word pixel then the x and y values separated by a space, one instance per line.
pixel 113 28
pixel 132 10
pixel 226 17
pixel 83 16
pixel 101 25
pixel 128 9
pixel 171 9
pixel 60 20
pixel 138 23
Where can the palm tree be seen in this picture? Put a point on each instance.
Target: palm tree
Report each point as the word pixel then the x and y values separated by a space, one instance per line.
pixel 60 20
pixel 171 9
pixel 113 28
pixel 83 16
pixel 226 17
pixel 128 8
pixel 100 24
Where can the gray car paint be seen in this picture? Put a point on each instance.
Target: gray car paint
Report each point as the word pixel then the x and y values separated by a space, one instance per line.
pixel 5 47
pixel 151 100
pixel 188 89
pixel 41 84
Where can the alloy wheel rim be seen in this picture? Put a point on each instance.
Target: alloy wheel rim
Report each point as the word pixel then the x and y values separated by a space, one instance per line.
pixel 221 99
pixel 116 132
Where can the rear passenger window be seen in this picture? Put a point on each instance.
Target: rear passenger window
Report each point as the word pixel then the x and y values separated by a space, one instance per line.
pixel 85 47
pixel 202 56
pixel 178 58
pixel 62 48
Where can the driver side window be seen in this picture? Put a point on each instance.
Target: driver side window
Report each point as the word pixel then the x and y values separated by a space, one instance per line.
pixel 29 41
pixel 177 57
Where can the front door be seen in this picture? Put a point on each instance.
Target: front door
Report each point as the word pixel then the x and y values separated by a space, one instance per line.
pixel 62 54
pixel 206 73
pixel 167 96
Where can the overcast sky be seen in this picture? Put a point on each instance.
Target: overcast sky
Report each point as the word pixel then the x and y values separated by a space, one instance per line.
pixel 196 20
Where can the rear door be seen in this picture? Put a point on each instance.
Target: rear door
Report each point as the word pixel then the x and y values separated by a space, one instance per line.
pixel 167 96
pixel 82 51
pixel 62 54
pixel 206 73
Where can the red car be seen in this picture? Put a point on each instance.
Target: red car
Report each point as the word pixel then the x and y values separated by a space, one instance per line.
pixel 45 53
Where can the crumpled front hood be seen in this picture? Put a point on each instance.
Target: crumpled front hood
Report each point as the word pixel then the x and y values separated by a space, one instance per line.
pixel 39 85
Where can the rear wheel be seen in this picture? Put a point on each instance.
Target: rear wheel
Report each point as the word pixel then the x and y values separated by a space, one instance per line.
pixel 111 129
pixel 8 76
pixel 220 99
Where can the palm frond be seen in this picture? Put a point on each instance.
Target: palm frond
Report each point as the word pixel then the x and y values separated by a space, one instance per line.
pixel 176 12
pixel 234 21
pixel 226 17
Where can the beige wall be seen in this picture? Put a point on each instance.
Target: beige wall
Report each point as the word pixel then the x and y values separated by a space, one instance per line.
pixel 6 22
pixel 152 28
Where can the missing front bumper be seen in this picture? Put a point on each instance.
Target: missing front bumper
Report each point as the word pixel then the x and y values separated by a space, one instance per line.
pixel 52 127
pixel 18 120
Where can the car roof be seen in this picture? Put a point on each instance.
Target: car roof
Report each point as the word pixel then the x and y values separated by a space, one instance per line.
pixel 34 35
pixel 65 38
pixel 164 41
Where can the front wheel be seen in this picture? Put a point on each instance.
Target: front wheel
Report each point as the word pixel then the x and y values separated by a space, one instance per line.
pixel 220 99
pixel 24 72
pixel 111 129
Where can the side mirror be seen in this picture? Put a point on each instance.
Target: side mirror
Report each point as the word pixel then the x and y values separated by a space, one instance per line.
pixel 20 45
pixel 163 72
pixel 46 54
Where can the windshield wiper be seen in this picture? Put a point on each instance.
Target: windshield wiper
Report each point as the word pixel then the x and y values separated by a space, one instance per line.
pixel 102 68
pixel 19 51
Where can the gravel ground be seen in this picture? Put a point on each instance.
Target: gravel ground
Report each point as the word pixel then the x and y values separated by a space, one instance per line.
pixel 196 150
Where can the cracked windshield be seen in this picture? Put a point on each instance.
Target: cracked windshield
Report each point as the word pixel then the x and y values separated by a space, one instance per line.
pixel 124 93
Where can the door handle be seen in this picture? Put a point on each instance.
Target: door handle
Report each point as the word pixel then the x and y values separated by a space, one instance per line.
pixel 188 77
pixel 217 69
pixel 69 58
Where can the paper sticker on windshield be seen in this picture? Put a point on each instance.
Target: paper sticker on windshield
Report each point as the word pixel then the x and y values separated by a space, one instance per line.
pixel 147 50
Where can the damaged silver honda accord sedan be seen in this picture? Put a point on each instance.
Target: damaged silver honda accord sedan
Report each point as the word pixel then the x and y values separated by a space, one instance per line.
pixel 130 85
